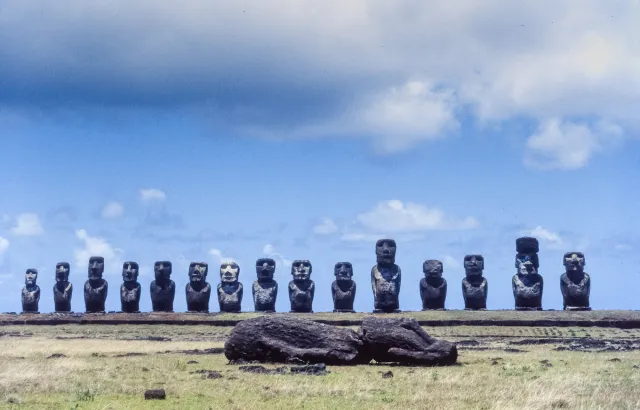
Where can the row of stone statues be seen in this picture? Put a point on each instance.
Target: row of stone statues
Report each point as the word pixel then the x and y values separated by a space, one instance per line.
pixel 386 277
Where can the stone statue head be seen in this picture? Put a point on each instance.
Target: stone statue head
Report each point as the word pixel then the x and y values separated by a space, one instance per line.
pixel 62 272
pixel 265 268
pixel 527 258
pixel 96 267
pixel 473 265
pixel 343 271
pixel 527 244
pixel 198 272
pixel 574 261
pixel 432 268
pixel 301 270
pixel 229 272
pixel 130 272
pixel 386 251
pixel 30 277
pixel 162 271
pixel 526 267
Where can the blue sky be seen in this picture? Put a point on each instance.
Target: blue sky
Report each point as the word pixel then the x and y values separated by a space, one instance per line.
pixel 140 131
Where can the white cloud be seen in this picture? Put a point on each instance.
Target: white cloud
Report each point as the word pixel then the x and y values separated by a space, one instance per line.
pixel 270 251
pixel 152 195
pixel 567 145
pixel 449 262
pixel 552 239
pixel 27 224
pixel 326 226
pixel 4 245
pixel 217 253
pixel 97 246
pixel 112 210
pixel 402 71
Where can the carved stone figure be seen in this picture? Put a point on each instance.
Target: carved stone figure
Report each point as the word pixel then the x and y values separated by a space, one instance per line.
pixel 433 287
pixel 386 278
pixel 575 283
pixel 265 289
pixel 95 288
pixel 30 292
pixel 130 288
pixel 527 284
pixel 343 289
pixel 62 290
pixel 163 289
pixel 475 287
pixel 229 289
pixel 198 290
pixel 301 288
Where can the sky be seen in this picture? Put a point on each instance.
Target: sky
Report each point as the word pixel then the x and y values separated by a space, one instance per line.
pixel 211 131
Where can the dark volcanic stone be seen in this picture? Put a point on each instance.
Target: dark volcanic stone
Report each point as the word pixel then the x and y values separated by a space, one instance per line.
pixel 230 291
pixel 158 394
pixel 198 291
pixel 95 288
pixel 403 341
pixel 30 292
pixel 62 290
pixel 162 289
pixel 318 369
pixel 262 369
pixel 387 375
pixel 433 287
pixel 301 288
pixel 475 288
pixel 265 289
pixel 575 283
pixel 386 278
pixel 280 339
pixel 56 356
pixel 527 245
pixel 130 289
pixel 343 289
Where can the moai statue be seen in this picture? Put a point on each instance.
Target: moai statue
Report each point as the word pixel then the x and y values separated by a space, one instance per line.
pixel 163 289
pixel 474 286
pixel 265 289
pixel 130 288
pixel 575 283
pixel 301 288
pixel 433 287
pixel 229 289
pixel 198 290
pixel 343 289
pixel 30 292
pixel 527 283
pixel 95 288
pixel 386 278
pixel 63 289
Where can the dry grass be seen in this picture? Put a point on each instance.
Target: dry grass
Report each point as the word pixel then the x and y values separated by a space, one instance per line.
pixel 82 379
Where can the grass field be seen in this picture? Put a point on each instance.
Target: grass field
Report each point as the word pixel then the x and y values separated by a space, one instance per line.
pixel 110 367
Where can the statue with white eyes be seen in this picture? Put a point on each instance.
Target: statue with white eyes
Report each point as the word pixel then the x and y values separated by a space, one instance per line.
pixel 198 290
pixel 229 289
pixel 527 283
pixel 30 292
pixel 575 283
pixel 265 288
pixel 301 288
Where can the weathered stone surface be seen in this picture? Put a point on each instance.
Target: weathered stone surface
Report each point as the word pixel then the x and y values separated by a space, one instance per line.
pixel 162 289
pixel 301 288
pixel 62 290
pixel 527 284
pixel 343 289
pixel 288 339
pixel 229 289
pixel 95 288
pixel 475 288
pixel 156 394
pixel 403 341
pixel 433 287
pixel 386 278
pixel 575 283
pixel 198 291
pixel 130 289
pixel 265 289
pixel 30 292
pixel 318 369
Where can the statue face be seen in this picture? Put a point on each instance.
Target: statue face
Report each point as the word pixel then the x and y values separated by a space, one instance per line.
pixel 265 268
pixel 574 261
pixel 30 277
pixel 473 264
pixel 343 271
pixel 62 272
pixel 301 270
pixel 526 268
pixel 527 257
pixel 96 267
pixel 162 270
pixel 130 272
pixel 386 251
pixel 432 268
pixel 229 272
pixel 198 272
